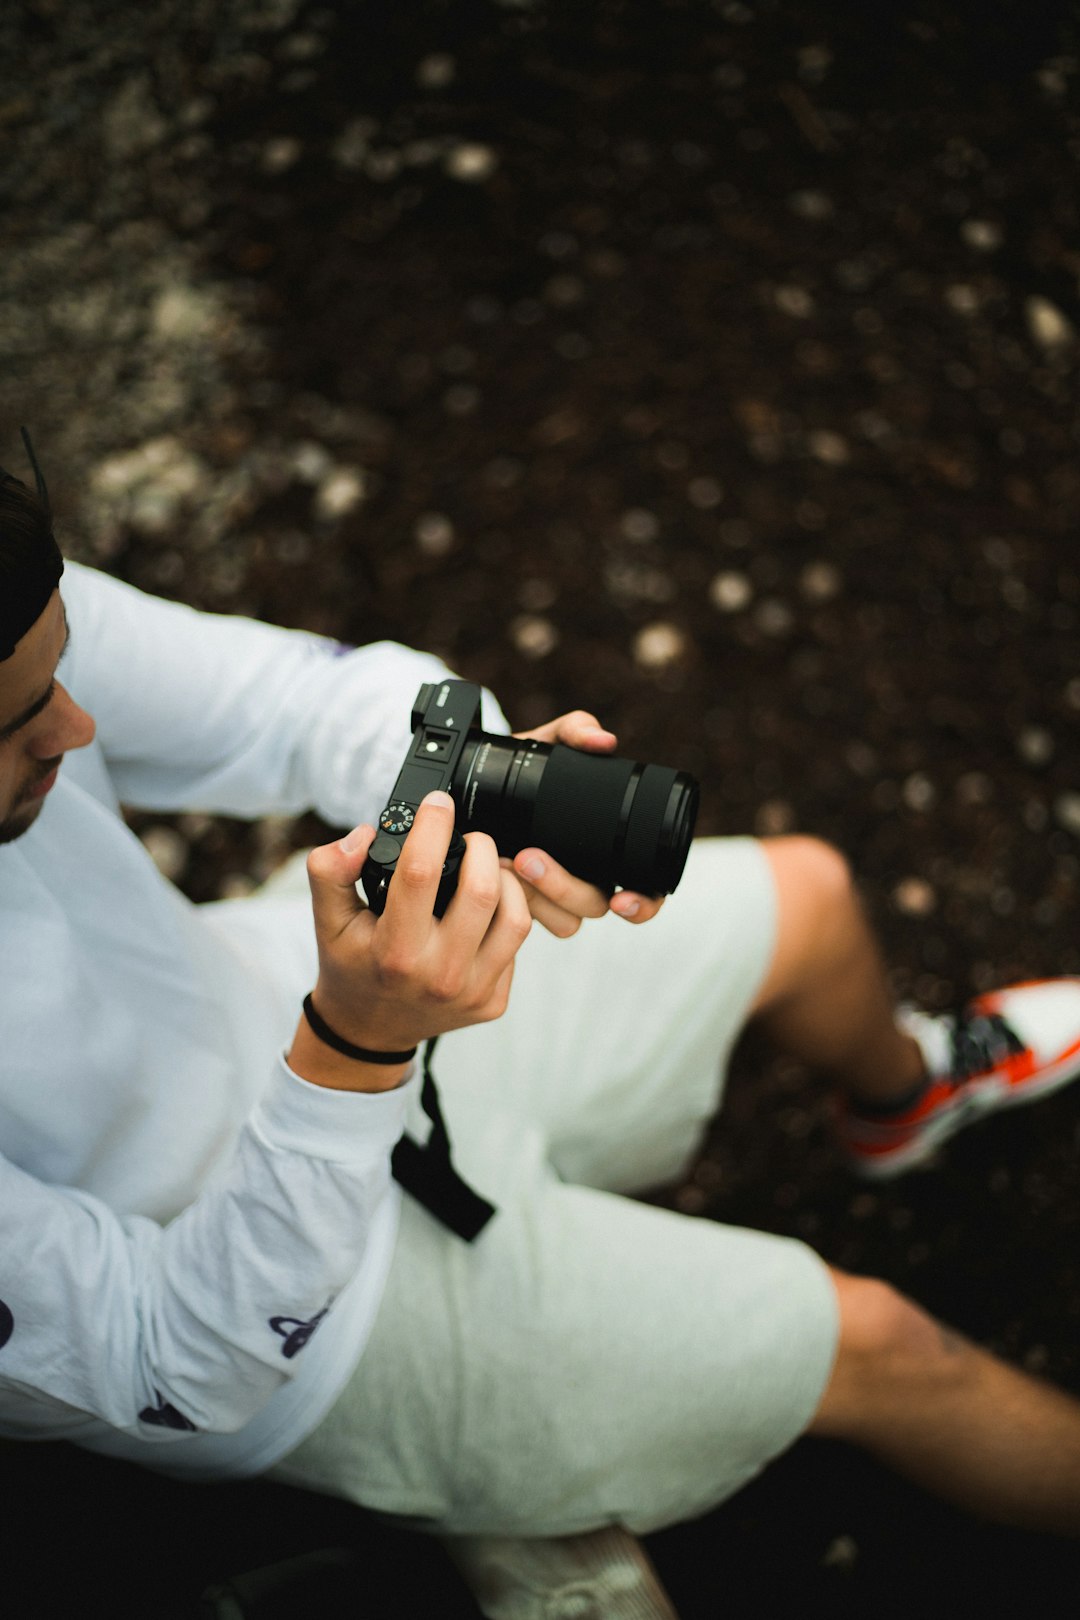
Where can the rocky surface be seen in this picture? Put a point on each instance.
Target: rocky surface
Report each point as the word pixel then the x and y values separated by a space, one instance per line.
pixel 712 366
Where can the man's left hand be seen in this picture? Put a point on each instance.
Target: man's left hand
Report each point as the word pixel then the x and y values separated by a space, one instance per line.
pixel 557 899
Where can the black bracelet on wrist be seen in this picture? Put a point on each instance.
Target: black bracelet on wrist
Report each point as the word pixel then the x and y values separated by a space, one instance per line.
pixel 361 1054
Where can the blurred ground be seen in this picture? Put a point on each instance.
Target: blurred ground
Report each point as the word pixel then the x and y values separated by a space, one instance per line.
pixel 712 366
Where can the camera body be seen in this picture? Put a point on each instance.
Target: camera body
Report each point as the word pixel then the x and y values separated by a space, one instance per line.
pixel 614 822
pixel 443 718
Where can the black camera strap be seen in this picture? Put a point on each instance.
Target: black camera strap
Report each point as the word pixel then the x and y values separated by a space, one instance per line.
pixel 427 1171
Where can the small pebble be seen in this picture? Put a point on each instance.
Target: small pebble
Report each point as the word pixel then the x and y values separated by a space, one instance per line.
pixel 1047 325
pixel 236 886
pixel 981 234
pixel 471 162
pixel 639 525
pixel 731 592
pixel 435 71
pixel 794 301
pixel 340 493
pixel 974 787
pixel 774 818
pixel 434 534
pixel 536 595
pixel 533 636
pixel 918 792
pixel 311 462
pixel 658 645
pixel 962 298
pixel 830 448
pixel 820 582
pixel 914 897
pixel 563 292
pixel 1035 745
pixel 704 493
pixel 461 399
pixel 383 166
pixel 774 618
pixel 841 1553
pixel 167 850
pixel 1067 812
pixel 814 62
pixel 280 154
pixel 811 204
pixel 352 144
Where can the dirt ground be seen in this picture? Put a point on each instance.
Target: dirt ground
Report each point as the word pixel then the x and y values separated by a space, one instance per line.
pixel 708 365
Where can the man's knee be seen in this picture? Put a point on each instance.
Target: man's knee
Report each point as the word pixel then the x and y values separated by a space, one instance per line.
pixel 814 892
pixel 887 1346
pixel 820 869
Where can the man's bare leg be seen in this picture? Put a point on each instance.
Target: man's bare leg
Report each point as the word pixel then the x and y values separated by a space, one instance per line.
pixel 825 999
pixel 944 1413
pixel 948 1415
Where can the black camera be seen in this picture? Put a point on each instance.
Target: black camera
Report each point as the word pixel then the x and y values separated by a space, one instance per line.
pixel 614 822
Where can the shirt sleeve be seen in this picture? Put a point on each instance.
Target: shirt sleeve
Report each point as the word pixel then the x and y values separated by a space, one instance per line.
pixel 212 712
pixel 161 1331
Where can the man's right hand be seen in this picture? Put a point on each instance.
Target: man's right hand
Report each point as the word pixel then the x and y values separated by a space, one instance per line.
pixel 388 982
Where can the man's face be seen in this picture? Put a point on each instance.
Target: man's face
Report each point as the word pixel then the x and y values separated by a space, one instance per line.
pixel 38 721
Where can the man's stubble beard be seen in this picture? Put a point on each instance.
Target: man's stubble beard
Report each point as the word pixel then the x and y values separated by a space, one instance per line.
pixel 24 815
pixel 20 822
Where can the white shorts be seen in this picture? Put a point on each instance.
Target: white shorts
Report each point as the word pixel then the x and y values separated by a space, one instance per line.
pixel 589 1359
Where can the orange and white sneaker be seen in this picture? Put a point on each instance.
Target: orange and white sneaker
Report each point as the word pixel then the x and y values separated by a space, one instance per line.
pixel 1005 1048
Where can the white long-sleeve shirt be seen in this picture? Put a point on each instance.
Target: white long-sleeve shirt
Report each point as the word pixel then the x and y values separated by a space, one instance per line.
pixel 193 1240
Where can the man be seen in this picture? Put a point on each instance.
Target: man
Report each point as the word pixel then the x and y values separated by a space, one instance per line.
pixel 205 1262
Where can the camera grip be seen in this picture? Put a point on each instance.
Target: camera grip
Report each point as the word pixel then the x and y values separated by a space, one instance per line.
pixel 382 858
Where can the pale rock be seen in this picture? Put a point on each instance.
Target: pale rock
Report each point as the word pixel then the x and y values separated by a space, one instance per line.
pixel 731 592
pixel 533 635
pixel 820 581
pixel 962 298
pixel 794 301
pixel 828 447
pixel 1035 745
pixel 167 850
pixel 639 525
pixel 471 162
pixel 918 792
pixel 311 462
pixel 434 534
pixel 982 235
pixel 340 493
pixel 841 1553
pixel 280 154
pixel 914 897
pixel 436 71
pixel 1048 326
pixel 774 618
pixel 704 493
pixel 658 645
pixel 1067 812
pixel 180 314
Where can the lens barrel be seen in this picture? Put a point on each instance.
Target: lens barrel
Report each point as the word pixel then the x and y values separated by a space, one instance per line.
pixel 615 822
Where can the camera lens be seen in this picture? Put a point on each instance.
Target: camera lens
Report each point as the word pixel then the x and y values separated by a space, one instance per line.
pixel 615 822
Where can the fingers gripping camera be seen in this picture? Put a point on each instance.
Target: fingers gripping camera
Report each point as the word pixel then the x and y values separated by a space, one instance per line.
pixel 614 822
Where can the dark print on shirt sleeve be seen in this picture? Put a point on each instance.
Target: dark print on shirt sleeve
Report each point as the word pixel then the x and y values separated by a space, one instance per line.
pixel 164 1416
pixel 7 1324
pixel 295 1332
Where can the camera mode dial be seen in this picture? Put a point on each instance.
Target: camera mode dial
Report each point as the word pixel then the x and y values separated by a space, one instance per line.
pixel 397 818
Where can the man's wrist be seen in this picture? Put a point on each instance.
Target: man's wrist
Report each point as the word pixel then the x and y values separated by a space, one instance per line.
pixel 312 1060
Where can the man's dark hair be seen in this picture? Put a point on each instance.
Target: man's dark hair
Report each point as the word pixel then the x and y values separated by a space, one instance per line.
pixel 30 560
